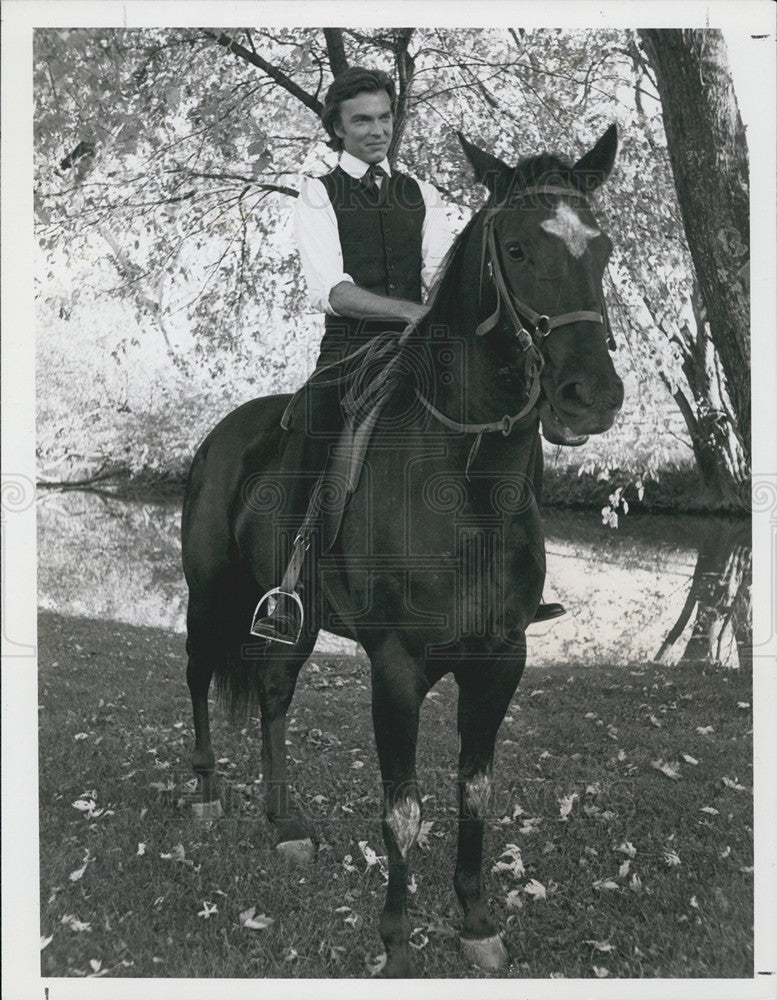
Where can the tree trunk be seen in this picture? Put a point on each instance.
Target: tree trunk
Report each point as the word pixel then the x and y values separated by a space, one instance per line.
pixel 719 599
pixel 708 152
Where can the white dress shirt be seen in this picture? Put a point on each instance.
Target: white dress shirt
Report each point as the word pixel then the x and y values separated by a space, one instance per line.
pixel 318 238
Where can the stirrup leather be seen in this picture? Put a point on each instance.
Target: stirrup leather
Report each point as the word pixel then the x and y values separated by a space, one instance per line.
pixel 265 609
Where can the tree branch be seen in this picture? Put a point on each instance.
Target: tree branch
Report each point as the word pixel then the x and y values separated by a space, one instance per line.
pixel 335 49
pixel 279 188
pixel 405 69
pixel 272 71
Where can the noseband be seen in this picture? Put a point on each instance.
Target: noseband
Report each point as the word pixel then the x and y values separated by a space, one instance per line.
pixel 519 313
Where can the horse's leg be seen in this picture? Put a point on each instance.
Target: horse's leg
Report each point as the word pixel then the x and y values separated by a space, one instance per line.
pixel 485 691
pixel 278 671
pixel 202 645
pixel 398 688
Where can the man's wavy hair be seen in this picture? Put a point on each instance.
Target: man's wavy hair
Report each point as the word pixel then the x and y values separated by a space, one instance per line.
pixel 353 81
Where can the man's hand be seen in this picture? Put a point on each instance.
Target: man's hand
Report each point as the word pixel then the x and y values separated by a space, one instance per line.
pixel 348 299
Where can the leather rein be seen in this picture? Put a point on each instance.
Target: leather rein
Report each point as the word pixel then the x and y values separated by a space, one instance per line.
pixel 519 314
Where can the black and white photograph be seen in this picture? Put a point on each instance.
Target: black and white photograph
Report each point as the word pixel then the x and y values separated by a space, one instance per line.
pixel 389 498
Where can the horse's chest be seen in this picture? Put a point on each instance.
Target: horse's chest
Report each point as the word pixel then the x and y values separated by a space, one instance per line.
pixel 456 554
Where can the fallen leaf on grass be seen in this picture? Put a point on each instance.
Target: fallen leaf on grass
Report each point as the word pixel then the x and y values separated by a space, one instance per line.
pixel 418 939
pixel 85 805
pixel 45 942
pixel 670 769
pixel 689 760
pixel 671 858
pixel 656 722
pixel 375 966
pixel 628 848
pixel 704 730
pixel 247 919
pixel 726 853
pixel 178 853
pixel 601 945
pixel 600 972
pixel 372 858
pixel 514 866
pixel 513 900
pixel 78 874
pixel 711 810
pixel 729 783
pixel 423 835
pixel 69 920
pixel 141 850
pixel 81 736
pixel 747 870
pixel 536 889
pixel 566 803
pixel 162 786
pixel 97 969
pixel 636 882
pixel 208 909
pixel 623 871
pixel 743 704
pixel 605 884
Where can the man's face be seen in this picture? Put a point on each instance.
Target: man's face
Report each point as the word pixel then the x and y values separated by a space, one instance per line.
pixel 366 126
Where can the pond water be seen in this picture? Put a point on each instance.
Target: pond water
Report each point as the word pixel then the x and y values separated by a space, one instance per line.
pixel 671 587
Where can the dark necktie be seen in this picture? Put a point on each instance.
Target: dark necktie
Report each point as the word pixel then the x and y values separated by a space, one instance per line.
pixel 372 179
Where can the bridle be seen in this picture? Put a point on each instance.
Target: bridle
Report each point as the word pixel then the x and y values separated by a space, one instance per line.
pixel 518 311
pixel 520 315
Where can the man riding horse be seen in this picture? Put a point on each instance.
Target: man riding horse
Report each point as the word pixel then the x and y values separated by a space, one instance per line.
pixel 370 239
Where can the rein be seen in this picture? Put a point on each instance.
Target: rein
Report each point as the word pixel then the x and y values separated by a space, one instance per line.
pixel 518 312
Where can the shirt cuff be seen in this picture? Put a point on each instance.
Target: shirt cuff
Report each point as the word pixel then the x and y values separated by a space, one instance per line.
pixel 328 308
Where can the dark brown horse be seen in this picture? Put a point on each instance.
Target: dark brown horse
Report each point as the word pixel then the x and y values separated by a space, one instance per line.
pixel 437 564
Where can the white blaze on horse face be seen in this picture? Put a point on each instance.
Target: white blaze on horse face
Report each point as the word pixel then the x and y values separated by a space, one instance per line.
pixel 404 821
pixel 568 226
pixel 478 792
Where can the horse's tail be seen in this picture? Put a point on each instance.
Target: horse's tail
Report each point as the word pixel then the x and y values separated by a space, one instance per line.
pixel 237 682
pixel 223 584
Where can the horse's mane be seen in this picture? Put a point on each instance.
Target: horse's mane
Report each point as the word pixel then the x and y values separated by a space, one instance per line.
pixel 530 171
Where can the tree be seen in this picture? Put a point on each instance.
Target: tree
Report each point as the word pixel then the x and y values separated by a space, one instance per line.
pixel 708 152
pixel 191 142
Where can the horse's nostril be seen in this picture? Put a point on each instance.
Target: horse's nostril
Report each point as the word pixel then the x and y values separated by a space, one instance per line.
pixel 575 394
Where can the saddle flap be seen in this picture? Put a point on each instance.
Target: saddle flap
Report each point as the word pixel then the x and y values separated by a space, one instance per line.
pixel 343 472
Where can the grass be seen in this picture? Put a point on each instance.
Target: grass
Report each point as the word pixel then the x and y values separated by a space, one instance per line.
pixel 116 732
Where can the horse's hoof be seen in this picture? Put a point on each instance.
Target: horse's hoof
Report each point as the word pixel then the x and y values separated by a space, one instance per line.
pixel 397 967
pixel 488 953
pixel 297 852
pixel 207 812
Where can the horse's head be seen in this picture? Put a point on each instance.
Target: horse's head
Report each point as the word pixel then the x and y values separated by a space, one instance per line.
pixel 543 256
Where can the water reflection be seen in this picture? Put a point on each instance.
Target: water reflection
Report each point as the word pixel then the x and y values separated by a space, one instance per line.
pixel 666 587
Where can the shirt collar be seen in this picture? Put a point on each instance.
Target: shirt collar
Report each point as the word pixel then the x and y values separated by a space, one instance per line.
pixel 357 168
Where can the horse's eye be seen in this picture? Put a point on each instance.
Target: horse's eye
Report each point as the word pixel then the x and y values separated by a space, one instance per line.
pixel 514 249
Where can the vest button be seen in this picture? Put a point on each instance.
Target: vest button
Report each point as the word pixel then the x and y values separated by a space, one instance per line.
pixel 392 286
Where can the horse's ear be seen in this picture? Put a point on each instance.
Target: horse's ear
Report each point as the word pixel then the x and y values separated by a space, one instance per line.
pixel 594 168
pixel 489 170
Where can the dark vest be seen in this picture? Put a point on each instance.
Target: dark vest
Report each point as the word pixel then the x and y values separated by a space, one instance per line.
pixel 381 243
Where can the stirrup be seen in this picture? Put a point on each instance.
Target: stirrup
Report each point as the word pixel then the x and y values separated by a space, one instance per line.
pixel 266 609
